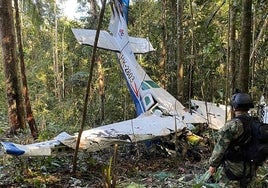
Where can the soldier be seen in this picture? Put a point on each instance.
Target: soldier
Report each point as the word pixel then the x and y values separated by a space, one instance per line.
pixel 236 171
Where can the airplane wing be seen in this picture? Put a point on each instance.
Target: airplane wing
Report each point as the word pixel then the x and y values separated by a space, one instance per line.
pixel 140 45
pixel 139 129
pixel 107 42
pixel 214 113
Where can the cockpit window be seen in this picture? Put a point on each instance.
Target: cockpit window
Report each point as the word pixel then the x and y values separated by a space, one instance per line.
pixel 144 86
pixel 152 84
pixel 148 84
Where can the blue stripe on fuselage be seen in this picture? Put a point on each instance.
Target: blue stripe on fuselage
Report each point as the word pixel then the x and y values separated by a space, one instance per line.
pixel 129 76
pixel 137 101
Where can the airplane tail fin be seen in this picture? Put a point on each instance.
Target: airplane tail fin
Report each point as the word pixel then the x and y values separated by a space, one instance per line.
pixel 125 4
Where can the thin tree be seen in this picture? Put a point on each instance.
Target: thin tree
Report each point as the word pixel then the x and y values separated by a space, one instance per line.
pixel 243 76
pixel 29 112
pixel 62 62
pixel 163 44
pixel 88 86
pixel 193 53
pixel 101 77
pixel 180 52
pixel 260 36
pixel 232 46
pixel 56 57
pixel 255 45
pixel 93 9
pixel 101 88
pixel 8 43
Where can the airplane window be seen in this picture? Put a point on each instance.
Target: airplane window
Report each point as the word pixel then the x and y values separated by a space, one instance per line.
pixel 152 84
pixel 147 100
pixel 144 86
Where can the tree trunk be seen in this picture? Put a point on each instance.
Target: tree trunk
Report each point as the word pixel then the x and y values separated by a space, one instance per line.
pixel 63 57
pixel 180 54
pixel 101 88
pixel 255 47
pixel 163 60
pixel 232 43
pixel 193 55
pixel 260 37
pixel 56 57
pixel 88 86
pixel 243 77
pixel 29 112
pixel 7 34
pixel 93 9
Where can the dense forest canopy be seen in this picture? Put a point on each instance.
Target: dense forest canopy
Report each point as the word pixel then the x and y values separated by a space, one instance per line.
pixel 57 66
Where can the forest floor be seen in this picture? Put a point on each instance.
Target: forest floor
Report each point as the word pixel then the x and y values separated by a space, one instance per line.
pixel 128 166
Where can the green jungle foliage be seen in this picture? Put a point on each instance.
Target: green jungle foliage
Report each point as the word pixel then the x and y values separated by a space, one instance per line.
pixel 57 97
pixel 57 69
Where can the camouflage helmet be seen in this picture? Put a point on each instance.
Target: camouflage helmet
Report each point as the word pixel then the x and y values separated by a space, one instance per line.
pixel 241 101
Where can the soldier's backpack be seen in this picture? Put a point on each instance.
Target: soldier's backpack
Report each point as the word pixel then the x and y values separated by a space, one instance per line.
pixel 252 145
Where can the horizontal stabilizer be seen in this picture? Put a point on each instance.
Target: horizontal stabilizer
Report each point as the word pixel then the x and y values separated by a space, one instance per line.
pixel 107 42
pixel 140 45
pixel 87 37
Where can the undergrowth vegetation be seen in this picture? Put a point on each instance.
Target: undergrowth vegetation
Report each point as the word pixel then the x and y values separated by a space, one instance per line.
pixel 133 166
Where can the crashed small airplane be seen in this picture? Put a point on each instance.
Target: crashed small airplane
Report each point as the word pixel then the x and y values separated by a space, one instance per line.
pixel 158 112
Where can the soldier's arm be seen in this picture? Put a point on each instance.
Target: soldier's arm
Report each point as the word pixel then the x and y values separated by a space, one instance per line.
pixel 230 131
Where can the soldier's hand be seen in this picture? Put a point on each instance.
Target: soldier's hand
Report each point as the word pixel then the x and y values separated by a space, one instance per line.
pixel 212 170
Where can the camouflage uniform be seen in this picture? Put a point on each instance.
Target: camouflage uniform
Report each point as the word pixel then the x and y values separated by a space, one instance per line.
pixel 231 131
